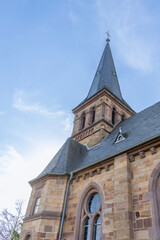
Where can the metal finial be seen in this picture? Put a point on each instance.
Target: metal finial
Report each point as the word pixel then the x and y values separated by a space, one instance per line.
pixel 108 36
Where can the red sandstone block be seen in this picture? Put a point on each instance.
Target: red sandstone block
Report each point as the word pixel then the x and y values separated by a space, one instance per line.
pixel 148 222
pixel 140 223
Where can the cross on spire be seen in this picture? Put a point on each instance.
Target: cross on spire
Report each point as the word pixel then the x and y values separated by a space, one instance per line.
pixel 108 36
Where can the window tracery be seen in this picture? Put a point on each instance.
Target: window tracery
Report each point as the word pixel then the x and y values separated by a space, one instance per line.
pixel 88 226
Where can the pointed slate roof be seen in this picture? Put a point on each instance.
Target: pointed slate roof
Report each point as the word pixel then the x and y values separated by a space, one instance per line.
pixel 106 76
pixel 138 129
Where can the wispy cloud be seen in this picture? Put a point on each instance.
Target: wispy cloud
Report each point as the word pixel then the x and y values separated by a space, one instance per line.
pixel 2 113
pixel 17 168
pixel 22 103
pixel 8 155
pixel 126 19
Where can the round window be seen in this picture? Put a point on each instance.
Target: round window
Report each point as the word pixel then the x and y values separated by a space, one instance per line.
pixel 94 203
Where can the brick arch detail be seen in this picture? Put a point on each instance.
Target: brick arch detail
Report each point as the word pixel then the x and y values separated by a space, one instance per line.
pixel 154 198
pixel 91 187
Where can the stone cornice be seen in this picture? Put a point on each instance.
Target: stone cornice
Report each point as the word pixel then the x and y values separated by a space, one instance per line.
pixel 47 177
pixel 44 215
pixel 101 94
pixel 140 150
pixel 92 126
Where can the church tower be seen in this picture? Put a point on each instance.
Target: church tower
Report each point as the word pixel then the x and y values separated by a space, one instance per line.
pixel 103 107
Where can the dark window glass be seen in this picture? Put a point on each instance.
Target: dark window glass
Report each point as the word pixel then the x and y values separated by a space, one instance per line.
pixel 97 228
pixel 94 203
pixel 123 117
pixel 83 120
pixel 86 235
pixel 93 115
pixel 113 116
pixel 28 237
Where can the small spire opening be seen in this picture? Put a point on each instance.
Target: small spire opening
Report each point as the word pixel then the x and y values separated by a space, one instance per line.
pixel 83 120
pixel 93 113
pixel 113 115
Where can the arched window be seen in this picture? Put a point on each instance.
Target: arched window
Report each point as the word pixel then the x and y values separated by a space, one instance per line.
pixel 93 113
pixel 83 120
pixel 113 115
pixel 36 206
pixel 88 222
pixel 154 197
pixel 28 237
pixel 123 117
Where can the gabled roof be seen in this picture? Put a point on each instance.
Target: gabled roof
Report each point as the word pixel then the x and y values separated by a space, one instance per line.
pixel 138 129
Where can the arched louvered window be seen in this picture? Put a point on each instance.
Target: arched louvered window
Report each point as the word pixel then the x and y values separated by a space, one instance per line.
pixel 123 117
pixel 83 120
pixel 93 113
pixel 113 115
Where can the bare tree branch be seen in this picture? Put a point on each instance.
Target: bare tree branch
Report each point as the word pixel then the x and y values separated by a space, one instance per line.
pixel 10 224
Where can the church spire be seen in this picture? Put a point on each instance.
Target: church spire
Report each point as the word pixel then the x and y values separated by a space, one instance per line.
pixel 106 76
pixel 103 107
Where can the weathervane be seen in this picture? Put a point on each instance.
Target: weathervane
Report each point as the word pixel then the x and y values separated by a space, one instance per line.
pixel 108 36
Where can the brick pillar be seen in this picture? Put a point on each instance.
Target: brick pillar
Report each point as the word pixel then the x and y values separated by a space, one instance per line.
pixel 123 217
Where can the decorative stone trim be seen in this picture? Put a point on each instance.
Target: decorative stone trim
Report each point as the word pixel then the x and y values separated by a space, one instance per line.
pixel 131 158
pixel 77 179
pixel 44 215
pixel 107 167
pixel 142 154
pixel 99 170
pixel 84 176
pixel 153 150
pixel 146 147
pixel 91 173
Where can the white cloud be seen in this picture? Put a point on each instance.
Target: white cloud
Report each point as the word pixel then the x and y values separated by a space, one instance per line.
pixel 21 103
pixel 16 169
pixel 2 113
pixel 126 19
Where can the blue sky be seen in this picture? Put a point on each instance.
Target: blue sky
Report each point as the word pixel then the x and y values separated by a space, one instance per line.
pixel 49 52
